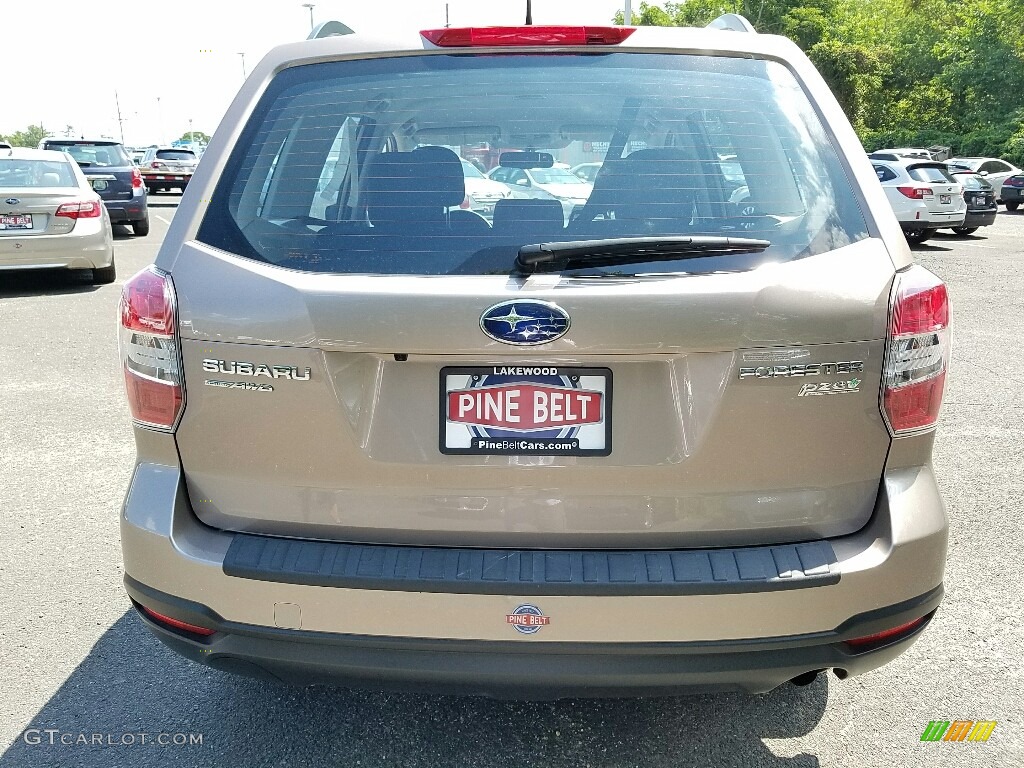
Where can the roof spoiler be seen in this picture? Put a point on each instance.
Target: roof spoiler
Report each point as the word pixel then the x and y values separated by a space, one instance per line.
pixel 330 29
pixel 732 22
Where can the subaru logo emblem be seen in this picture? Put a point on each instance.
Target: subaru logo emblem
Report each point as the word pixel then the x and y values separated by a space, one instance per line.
pixel 525 322
pixel 12 201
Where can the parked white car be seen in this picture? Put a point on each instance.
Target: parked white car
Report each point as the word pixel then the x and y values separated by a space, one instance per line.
pixel 994 170
pixel 481 193
pixel 560 182
pixel 923 194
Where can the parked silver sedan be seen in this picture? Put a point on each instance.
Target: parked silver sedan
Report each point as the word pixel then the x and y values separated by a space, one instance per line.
pixel 51 217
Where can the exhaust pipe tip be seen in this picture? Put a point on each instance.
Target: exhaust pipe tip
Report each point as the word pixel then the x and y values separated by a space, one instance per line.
pixel 842 674
pixel 806 678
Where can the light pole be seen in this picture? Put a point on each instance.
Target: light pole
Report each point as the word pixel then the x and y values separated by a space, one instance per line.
pixel 311 6
pixel 120 120
pixel 627 14
pixel 191 138
pixel 242 54
pixel 160 123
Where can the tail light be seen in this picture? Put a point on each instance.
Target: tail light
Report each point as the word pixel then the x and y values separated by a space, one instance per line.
pixel 916 193
pixel 465 203
pixel 148 343
pixel 462 37
pixel 1014 181
pixel 80 209
pixel 136 178
pixel 917 355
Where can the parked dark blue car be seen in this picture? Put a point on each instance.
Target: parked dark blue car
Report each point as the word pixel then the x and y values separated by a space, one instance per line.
pixel 114 177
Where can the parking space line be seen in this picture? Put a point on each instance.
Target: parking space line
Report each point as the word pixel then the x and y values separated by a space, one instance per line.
pixel 165 221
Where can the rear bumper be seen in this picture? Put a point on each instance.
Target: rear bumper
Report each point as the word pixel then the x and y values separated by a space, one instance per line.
pixel 980 218
pixel 608 643
pixel 166 179
pixel 534 671
pixel 89 245
pixel 122 211
pixel 935 221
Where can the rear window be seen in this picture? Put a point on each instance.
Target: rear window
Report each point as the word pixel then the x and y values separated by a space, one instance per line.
pixel 933 173
pixel 359 166
pixel 175 154
pixel 90 154
pixel 36 173
pixel 972 181
pixel 884 173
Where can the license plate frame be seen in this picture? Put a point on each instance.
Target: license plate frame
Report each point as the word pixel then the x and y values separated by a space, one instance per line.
pixel 11 222
pixel 588 433
pixel 945 199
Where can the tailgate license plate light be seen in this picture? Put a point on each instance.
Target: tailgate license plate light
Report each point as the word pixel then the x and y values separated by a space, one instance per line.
pixel 539 410
pixel 16 221
pixel 945 199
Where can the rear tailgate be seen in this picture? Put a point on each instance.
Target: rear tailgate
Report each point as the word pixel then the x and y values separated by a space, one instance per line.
pixel 116 182
pixel 722 399
pixel 743 407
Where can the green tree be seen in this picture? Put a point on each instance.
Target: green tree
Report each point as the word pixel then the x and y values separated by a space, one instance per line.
pixel 199 136
pixel 907 72
pixel 853 72
pixel 30 137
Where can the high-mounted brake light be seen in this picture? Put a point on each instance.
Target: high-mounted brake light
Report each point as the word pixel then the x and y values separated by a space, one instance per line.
pixel 918 352
pixel 81 209
pixel 465 37
pixel 148 343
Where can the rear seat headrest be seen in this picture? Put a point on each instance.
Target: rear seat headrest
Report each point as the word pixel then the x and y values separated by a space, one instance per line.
pixel 417 185
pixel 530 214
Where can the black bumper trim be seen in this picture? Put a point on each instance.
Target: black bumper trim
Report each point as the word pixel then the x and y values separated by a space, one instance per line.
pixel 528 669
pixel 980 218
pixel 532 572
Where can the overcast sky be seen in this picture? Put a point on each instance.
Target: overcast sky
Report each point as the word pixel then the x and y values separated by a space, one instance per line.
pixel 62 60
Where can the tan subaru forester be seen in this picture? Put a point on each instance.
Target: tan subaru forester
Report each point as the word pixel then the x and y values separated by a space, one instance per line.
pixel 668 430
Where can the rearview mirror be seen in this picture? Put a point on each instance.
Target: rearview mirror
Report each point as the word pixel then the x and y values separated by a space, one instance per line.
pixel 526 160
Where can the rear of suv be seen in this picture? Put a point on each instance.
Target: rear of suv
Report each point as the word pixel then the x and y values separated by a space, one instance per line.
pixel 114 177
pixel 924 195
pixel 671 444
pixel 167 168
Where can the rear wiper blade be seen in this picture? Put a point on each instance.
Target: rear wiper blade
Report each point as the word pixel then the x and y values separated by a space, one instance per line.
pixel 629 250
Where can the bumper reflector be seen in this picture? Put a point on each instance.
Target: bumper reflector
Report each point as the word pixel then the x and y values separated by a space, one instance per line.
pixel 184 626
pixel 861 643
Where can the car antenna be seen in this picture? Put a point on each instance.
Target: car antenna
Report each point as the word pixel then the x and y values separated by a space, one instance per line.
pixel 529 13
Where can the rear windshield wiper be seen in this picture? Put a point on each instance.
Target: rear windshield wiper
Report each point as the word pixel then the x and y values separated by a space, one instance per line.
pixel 551 257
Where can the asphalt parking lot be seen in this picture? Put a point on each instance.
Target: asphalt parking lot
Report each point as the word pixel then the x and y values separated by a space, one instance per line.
pixel 77 664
